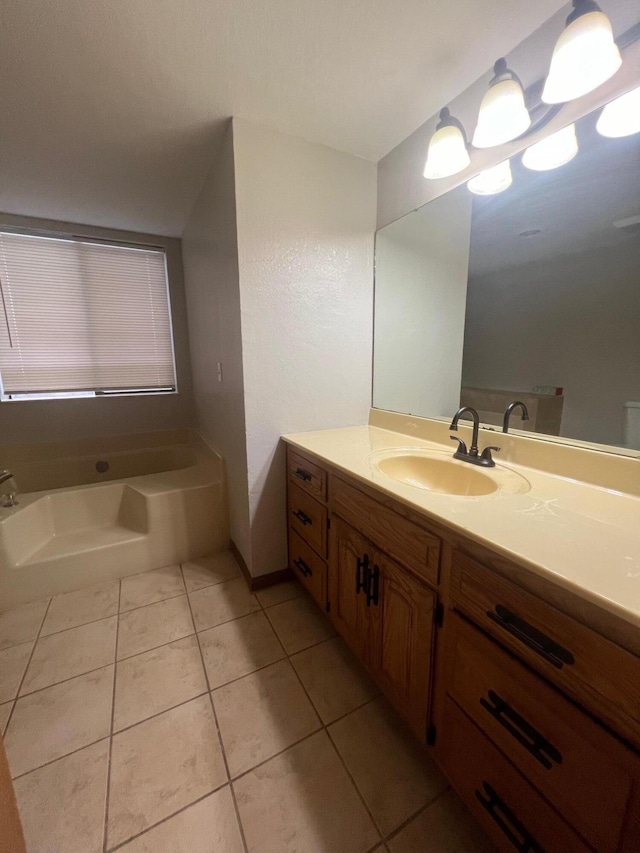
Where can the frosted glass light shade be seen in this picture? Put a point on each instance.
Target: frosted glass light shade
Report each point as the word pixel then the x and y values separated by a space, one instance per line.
pixel 621 117
pixel 554 151
pixel 492 181
pixel 447 154
pixel 503 115
pixel 584 57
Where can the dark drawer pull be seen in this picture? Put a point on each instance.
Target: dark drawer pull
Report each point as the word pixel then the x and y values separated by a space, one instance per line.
pixel 521 730
pixel 304 568
pixel 301 474
pixel 542 645
pixel 373 586
pixel 302 517
pixel 517 834
pixel 362 573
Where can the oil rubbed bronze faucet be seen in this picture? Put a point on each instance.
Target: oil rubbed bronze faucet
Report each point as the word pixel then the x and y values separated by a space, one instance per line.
pixel 471 455
pixel 10 499
pixel 517 404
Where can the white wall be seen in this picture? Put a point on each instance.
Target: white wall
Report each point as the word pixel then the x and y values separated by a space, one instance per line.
pixel 421 285
pixel 213 303
pixel 306 219
pixel 570 321
pixel 32 421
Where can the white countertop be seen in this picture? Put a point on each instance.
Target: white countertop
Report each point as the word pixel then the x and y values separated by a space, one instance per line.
pixel 582 537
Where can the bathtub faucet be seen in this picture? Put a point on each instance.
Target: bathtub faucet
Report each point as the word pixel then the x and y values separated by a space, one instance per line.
pixel 10 499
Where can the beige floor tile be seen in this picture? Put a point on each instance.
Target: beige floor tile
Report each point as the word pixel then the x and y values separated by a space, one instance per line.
pixel 303 800
pixel 393 774
pixel 162 765
pixel 62 805
pixel 70 653
pixel 5 710
pixel 207 571
pixel 210 826
pixel 157 680
pixel 21 624
pixel 278 593
pixel 446 826
pixel 85 605
pixel 214 605
pixel 262 714
pixel 154 625
pixel 299 624
pixel 58 720
pixel 237 648
pixel 13 662
pixel 334 679
pixel 149 587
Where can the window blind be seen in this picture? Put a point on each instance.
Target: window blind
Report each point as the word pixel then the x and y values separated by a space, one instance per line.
pixel 81 315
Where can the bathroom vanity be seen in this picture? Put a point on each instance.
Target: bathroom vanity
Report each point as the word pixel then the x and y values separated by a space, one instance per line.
pixel 484 618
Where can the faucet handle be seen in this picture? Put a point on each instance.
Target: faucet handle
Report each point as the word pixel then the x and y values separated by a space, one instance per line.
pixel 462 447
pixel 486 455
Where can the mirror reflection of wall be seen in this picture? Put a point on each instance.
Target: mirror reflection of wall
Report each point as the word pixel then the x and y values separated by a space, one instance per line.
pixel 552 299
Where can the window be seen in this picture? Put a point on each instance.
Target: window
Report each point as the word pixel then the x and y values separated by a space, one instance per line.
pixel 83 318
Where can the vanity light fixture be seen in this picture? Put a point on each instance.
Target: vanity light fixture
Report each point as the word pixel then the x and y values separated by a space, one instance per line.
pixel 492 181
pixel 621 117
pixel 447 154
pixel 585 55
pixel 554 151
pixel 503 115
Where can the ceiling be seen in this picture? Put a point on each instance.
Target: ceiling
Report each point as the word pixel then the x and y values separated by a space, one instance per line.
pixel 110 111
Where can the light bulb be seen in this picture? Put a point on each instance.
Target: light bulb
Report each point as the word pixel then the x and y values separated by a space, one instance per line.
pixel 554 151
pixel 503 115
pixel 447 154
pixel 492 181
pixel 622 116
pixel 585 55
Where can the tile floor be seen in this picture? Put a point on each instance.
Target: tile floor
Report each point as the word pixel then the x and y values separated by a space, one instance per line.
pixel 175 712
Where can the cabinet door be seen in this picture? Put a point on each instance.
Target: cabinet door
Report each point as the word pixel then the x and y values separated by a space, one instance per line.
pixel 350 555
pixel 403 638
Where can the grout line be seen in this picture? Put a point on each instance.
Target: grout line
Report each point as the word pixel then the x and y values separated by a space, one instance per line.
pixel 65 680
pixel 219 733
pixel 391 835
pixel 60 757
pixel 113 705
pixel 26 669
pixel 159 713
pixel 152 648
pixel 168 817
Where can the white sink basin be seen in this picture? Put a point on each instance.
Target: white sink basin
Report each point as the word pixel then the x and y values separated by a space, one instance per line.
pixel 438 472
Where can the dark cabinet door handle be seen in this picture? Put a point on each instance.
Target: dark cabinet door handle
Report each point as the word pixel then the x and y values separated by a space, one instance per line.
pixel 301 474
pixel 373 586
pixel 304 568
pixel 521 730
pixel 517 834
pixel 362 573
pixel 302 517
pixel 552 652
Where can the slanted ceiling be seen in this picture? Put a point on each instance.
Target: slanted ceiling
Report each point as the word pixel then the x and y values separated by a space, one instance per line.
pixel 110 111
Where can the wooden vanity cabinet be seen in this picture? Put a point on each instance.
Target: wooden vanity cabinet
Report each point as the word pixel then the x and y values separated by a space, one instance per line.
pixel 533 714
pixel 387 617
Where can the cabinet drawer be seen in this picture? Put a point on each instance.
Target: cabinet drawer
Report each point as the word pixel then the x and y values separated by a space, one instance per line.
pixel 309 568
pixel 400 538
pixel 307 475
pixel 502 800
pixel 592 669
pixel 578 767
pixel 308 518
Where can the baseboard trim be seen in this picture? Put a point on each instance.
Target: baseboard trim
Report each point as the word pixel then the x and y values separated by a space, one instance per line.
pixel 261 581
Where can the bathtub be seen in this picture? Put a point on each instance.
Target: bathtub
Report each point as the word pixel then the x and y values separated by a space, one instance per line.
pixel 88 518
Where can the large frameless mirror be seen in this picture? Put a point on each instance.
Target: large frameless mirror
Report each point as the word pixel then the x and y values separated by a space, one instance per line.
pixel 530 293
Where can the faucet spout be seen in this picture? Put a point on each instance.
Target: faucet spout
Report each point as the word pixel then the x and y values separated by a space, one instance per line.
pixel 475 417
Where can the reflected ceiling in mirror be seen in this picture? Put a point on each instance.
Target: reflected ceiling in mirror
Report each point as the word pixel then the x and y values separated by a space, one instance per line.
pixel 532 293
